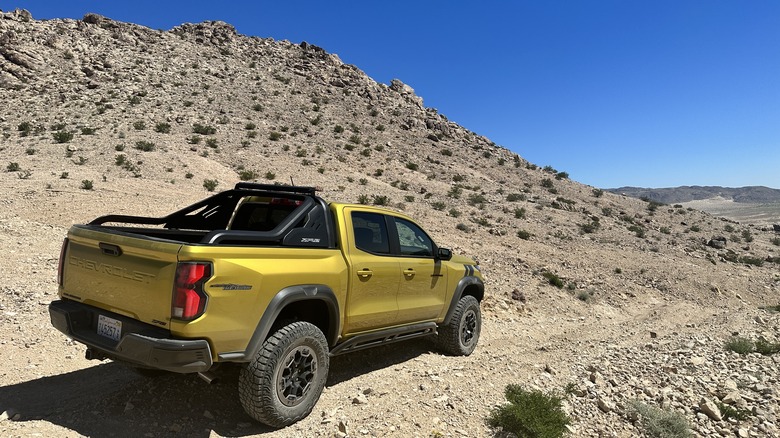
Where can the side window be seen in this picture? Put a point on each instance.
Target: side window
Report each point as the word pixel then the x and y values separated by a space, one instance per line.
pixel 413 240
pixel 370 232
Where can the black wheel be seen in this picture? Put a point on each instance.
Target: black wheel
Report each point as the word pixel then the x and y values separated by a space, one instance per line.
pixel 461 335
pixel 283 382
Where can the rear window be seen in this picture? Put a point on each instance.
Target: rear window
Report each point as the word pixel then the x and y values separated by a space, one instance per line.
pixel 370 232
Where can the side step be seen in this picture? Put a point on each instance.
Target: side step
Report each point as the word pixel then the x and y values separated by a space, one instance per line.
pixel 388 336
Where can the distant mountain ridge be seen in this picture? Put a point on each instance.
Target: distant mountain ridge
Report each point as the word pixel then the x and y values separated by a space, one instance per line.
pixel 673 195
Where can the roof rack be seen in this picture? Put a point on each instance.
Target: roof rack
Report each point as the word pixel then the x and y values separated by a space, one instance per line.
pixel 276 188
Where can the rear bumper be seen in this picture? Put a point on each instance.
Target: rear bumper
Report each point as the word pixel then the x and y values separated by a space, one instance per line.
pixel 140 344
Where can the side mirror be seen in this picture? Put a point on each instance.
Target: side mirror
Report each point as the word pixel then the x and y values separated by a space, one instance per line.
pixel 443 254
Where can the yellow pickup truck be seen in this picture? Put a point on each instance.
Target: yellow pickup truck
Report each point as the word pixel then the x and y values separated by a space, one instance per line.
pixel 267 276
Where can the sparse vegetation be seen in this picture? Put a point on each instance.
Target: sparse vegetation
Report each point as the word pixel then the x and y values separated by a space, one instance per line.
pixel 12 167
pixel 210 184
pixel 163 128
pixel 530 414
pixel 197 128
pixel 247 175
pixel 660 423
pixel 525 235
pixel 553 279
pixel 145 146
pixel 86 184
pixel 62 136
pixel 274 136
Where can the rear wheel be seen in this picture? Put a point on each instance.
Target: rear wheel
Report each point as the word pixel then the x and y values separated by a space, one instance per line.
pixel 460 336
pixel 283 382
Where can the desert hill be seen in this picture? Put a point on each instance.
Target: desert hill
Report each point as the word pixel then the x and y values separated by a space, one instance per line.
pixel 750 205
pixel 101 117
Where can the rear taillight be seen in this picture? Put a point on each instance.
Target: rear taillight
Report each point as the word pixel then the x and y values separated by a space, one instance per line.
pixel 189 299
pixel 61 265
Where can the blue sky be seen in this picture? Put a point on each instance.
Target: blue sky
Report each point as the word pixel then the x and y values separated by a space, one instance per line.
pixel 643 93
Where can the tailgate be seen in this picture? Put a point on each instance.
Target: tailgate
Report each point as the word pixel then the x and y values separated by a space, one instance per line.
pixel 119 272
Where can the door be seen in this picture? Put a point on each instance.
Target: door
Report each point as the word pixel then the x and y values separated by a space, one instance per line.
pixel 423 287
pixel 374 273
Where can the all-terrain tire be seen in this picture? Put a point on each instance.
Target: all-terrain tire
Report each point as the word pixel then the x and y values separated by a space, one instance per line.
pixel 283 382
pixel 460 336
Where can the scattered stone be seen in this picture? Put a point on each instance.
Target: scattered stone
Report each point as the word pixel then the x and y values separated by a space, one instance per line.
pixel 710 409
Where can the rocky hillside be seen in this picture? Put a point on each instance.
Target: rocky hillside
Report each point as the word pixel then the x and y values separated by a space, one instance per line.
pixel 613 298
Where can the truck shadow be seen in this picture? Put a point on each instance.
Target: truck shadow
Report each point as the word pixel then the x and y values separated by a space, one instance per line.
pixel 112 400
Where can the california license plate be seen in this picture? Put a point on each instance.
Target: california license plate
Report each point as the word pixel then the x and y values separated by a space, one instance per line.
pixel 109 327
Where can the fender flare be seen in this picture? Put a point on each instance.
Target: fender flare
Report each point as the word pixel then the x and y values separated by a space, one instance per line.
pixel 464 283
pixel 283 298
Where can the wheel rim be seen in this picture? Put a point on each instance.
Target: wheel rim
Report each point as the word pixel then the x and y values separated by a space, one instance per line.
pixel 469 327
pixel 297 375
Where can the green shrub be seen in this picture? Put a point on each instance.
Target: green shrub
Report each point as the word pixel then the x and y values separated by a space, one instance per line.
pixel 590 227
pixel 274 136
pixel 446 152
pixel 139 125
pixel 739 345
pixel 520 213
pixel 380 200
pixel 637 230
pixel 250 126
pixel 476 198
pixel 64 175
pixel 163 128
pixel 737 413
pixel 438 205
pixel 454 212
pixel 766 348
pixel 747 235
pixel 561 175
pixel 363 199
pixel 145 146
pixel 194 139
pixel 660 423
pixel 409 198
pixel 86 184
pixel 597 193
pixel 338 129
pixel 270 175
pixel 411 166
pixel 247 175
pixel 525 235
pixel 513 197
pixel 463 227
pixel 197 128
pixel 210 184
pixel 85 130
pixel 553 279
pixel 665 230
pixel 530 414
pixel 775 241
pixel 211 142
pixel 189 175
pixel 62 136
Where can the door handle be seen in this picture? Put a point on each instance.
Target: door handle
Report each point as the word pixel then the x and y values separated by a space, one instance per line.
pixel 365 273
pixel 409 272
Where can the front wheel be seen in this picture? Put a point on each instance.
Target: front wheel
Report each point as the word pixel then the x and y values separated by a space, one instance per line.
pixel 459 337
pixel 283 382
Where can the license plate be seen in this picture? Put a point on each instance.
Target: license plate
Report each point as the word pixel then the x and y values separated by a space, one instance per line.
pixel 109 327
